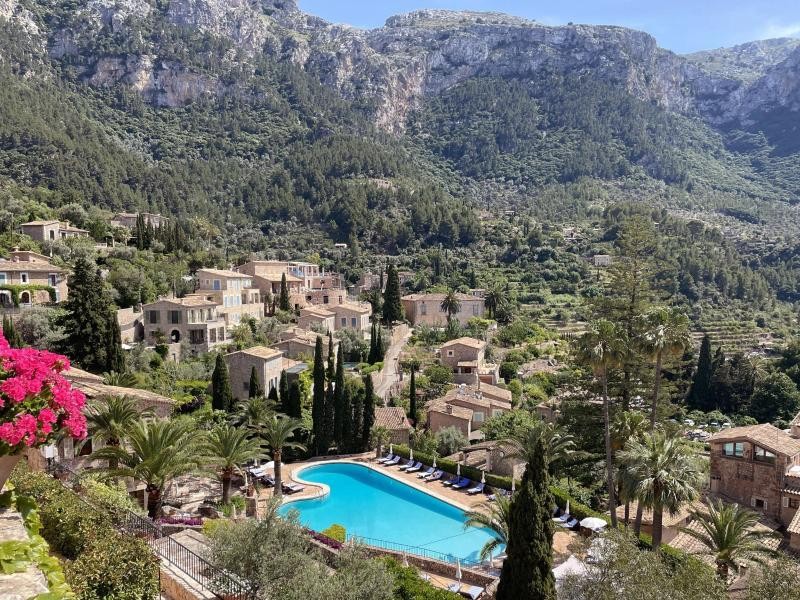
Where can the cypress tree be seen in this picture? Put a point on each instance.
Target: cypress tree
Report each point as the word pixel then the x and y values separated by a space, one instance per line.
pixel 412 395
pixel 283 391
pixel 354 432
pixel 368 419
pixel 254 388
pixel 340 415
pixel 273 394
pixel 380 352
pixel 318 403
pixel 140 232
pixel 372 356
pixel 115 359
pixel 284 302
pixel 329 416
pixel 85 320
pixel 527 571
pixel 392 307
pixel 294 407
pixel 700 391
pixel 10 333
pixel 331 371
pixel 221 394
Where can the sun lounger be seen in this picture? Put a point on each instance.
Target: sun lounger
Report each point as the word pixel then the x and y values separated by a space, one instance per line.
pixel 563 518
pixel 454 587
pixel 473 592
pixel 462 483
pixel 477 489
pixel 293 487
pixel 405 465
pixel 386 458
pixel 394 461
pixel 415 468
pixel 435 476
pixel 455 479
pixel 410 465
pixel 267 481
pixel 571 524
pixel 491 497
pixel 425 473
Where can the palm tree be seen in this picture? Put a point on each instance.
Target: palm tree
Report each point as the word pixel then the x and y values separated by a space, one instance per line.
pixel 379 437
pixel 627 425
pixel 226 448
pixel 493 299
pixel 160 451
pixel 496 521
pixel 728 534
pixel 666 333
pixel 665 473
pixel 558 446
pixel 253 413
pixel 109 419
pixel 277 434
pixel 451 304
pixel 126 379
pixel 603 348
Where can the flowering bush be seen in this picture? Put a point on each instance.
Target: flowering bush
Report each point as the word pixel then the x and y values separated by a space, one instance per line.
pixel 193 521
pixel 36 401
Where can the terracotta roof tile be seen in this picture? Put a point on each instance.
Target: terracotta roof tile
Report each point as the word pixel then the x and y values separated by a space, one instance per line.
pixel 766 435
pixel 465 341
pixel 392 418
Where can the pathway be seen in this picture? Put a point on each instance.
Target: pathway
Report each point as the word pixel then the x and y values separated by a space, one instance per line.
pixel 391 368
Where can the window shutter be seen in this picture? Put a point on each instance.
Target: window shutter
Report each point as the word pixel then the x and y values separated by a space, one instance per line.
pixel 753 502
pixel 785 502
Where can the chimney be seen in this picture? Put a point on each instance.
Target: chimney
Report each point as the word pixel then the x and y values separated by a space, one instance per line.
pixel 449 409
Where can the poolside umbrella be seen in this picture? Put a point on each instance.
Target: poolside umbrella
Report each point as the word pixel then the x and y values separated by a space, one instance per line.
pixel 391 448
pixel 271 465
pixel 411 455
pixel 513 485
pixel 405 559
pixel 434 462
pixel 458 470
pixel 593 523
pixel 483 477
pixel 566 511
pixel 458 570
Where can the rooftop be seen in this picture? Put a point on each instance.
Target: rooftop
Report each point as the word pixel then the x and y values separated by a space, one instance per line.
pixel 437 297
pixel 317 311
pixel 442 406
pixel 225 273
pixel 765 435
pixel 39 223
pixel 391 417
pixel 260 352
pixel 465 341
pixel 359 308
pixel 188 301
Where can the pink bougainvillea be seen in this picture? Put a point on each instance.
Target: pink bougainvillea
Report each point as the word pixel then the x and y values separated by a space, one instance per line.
pixel 36 401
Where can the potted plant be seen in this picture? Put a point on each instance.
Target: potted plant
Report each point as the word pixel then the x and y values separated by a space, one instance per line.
pixel 37 404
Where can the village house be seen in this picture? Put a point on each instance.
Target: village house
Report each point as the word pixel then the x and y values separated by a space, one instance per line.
pixel 427 309
pixel 299 344
pixel 759 466
pixel 485 401
pixel 393 419
pixel 35 279
pixel 268 363
pixel 602 260
pixel 232 291
pixel 52 230
pixel 306 282
pixel 267 276
pixel 317 318
pixel 126 219
pixel 350 315
pixel 192 321
pixel 441 414
pixel 131 325
pixel 465 357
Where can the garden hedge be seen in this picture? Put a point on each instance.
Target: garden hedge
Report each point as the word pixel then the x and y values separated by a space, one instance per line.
pixel 450 466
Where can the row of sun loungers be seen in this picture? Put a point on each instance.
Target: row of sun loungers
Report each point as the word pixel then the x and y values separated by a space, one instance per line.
pixel 260 473
pixel 431 474
pixel 566 520
pixel 473 592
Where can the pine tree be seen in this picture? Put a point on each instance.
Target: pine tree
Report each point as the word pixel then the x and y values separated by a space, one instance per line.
pixel 283 391
pixel 221 394
pixel 85 320
pixel 412 395
pixel 369 412
pixel 284 303
pixel 700 397
pixel 294 407
pixel 392 307
pixel 318 403
pixel 115 358
pixel 254 388
pixel 339 409
pixel 527 571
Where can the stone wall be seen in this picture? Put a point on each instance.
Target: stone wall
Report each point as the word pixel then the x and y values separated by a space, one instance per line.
pixel 29 583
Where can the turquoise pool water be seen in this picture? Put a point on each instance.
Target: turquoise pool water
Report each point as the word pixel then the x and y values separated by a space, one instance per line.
pixel 374 506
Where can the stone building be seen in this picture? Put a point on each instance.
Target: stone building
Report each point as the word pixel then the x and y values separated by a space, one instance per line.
pixel 393 418
pixel 192 323
pixel 483 402
pixel 317 318
pixel 427 309
pixel 465 357
pixel 52 230
pixel 33 277
pixel 299 344
pixel 442 414
pixel 350 315
pixel 268 363
pixel 125 219
pixel 233 293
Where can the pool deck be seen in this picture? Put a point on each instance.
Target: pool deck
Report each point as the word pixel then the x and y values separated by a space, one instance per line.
pixel 458 498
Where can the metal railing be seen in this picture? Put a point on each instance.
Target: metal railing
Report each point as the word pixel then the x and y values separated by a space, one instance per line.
pixel 408 549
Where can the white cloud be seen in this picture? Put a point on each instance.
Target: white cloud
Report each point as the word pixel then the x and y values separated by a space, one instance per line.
pixel 774 30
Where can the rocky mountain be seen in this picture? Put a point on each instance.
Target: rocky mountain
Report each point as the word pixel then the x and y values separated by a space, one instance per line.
pixel 489 95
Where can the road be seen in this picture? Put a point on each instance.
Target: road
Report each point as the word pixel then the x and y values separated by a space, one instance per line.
pixel 391 368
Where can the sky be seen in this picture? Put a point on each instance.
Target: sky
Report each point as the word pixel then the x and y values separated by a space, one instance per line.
pixel 678 25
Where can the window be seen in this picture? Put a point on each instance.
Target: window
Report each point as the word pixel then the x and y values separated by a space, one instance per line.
pixel 353 322
pixel 475 308
pixel 344 321
pixel 325 299
pixel 423 310
pixel 174 317
pixel 2 277
pixel 477 416
pixel 792 502
pixel 197 336
pixel 217 285
pixel 758 503
pixel 449 353
pixel 52 279
pixel 212 335
pixel 152 317
pixel 246 386
pixel 497 411
pixel 52 234
pixel 733 449
pixel 23 278
pixel 762 455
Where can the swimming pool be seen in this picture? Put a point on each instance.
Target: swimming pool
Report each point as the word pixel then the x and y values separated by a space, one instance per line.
pixel 387 512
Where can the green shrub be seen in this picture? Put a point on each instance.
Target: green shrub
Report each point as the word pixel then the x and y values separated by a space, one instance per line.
pixel 336 532
pixel 408 585
pixel 450 466
pixel 114 566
